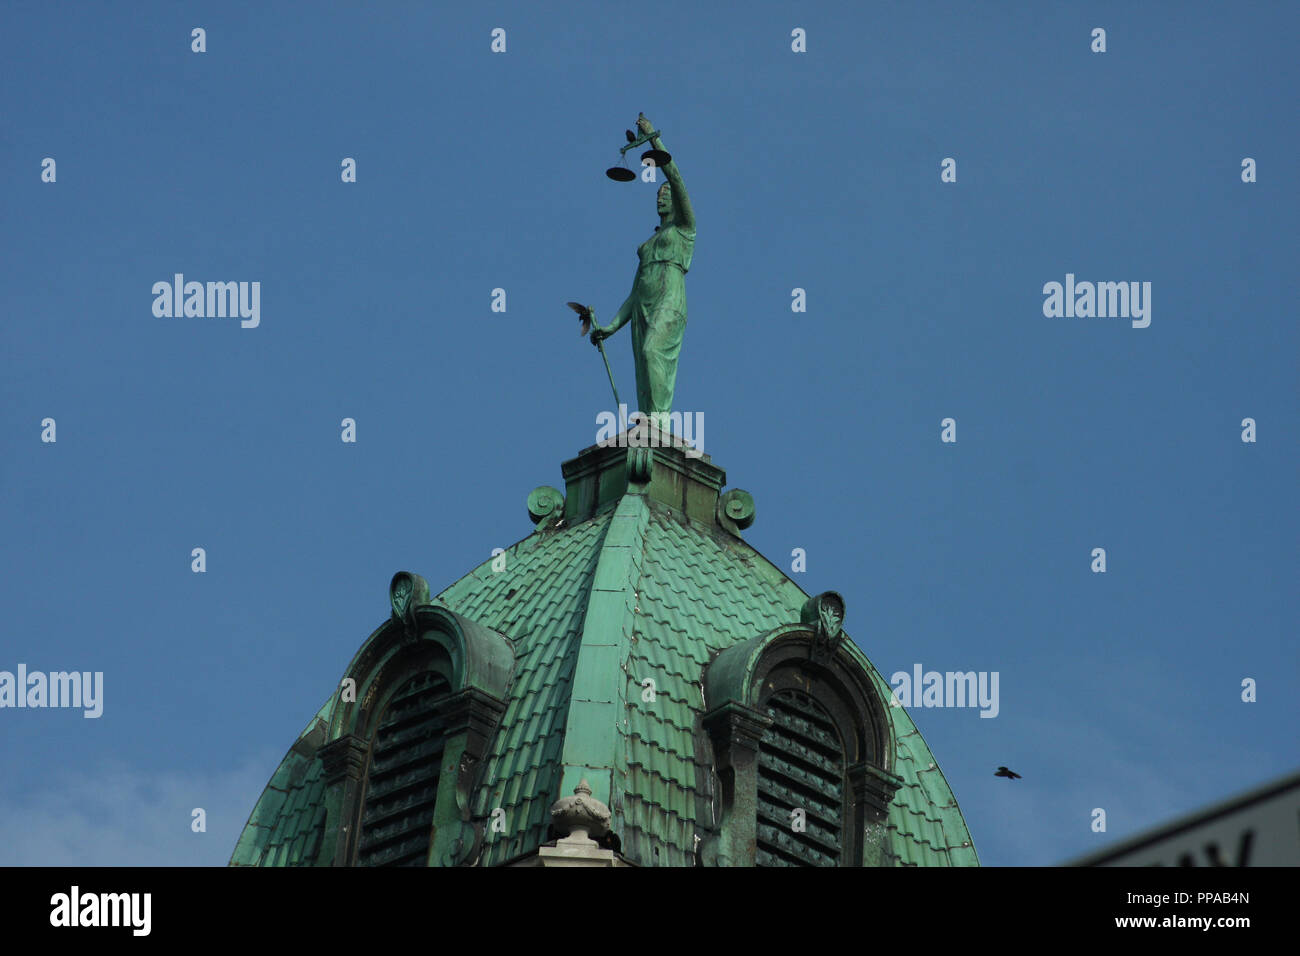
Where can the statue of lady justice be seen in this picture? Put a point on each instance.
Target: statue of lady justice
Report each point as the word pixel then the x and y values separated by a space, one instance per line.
pixel 656 307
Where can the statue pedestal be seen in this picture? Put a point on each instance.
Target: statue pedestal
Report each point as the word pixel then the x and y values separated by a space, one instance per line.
pixel 573 852
pixel 669 471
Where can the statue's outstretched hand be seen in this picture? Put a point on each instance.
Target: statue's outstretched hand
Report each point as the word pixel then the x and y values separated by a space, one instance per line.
pixel 643 124
pixel 598 334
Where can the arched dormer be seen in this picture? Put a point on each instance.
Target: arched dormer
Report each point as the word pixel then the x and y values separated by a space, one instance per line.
pixel 403 773
pixel 803 747
pixel 414 716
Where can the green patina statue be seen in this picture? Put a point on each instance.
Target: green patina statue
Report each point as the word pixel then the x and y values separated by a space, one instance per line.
pixel 656 306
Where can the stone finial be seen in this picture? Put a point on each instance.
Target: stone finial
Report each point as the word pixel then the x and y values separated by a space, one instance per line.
pixel 583 818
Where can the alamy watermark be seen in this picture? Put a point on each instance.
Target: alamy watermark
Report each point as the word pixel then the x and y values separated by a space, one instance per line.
pixel 949 689
pixel 84 689
pixel 613 430
pixel 215 300
pixel 75 908
pixel 1084 300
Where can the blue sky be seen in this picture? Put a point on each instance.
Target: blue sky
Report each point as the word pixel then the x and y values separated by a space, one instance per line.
pixel 818 170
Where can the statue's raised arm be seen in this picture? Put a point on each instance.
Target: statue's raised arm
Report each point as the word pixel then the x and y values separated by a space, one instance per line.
pixel 683 214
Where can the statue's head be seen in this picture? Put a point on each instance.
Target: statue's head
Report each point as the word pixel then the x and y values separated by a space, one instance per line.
pixel 664 202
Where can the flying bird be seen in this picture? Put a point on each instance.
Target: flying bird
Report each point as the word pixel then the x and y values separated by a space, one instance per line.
pixel 585 314
pixel 1009 774
pixel 631 136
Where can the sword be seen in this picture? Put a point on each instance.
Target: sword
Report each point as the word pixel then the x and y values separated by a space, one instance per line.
pixel 601 346
pixel 586 315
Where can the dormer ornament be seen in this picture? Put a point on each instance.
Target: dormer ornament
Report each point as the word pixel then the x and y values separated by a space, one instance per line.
pixel 824 614
pixel 406 592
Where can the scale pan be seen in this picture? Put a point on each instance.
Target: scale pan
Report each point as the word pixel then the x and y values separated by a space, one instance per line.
pixel 620 174
pixel 657 156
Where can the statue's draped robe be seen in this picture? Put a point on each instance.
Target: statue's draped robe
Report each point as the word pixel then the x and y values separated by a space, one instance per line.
pixel 659 315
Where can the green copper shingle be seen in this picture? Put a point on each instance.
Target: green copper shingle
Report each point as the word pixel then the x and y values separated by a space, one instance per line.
pixel 291 806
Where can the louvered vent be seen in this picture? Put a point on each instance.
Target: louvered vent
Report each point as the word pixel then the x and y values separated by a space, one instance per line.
pixel 403 780
pixel 800 766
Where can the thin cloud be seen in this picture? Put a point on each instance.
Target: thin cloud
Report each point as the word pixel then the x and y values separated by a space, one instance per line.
pixel 120 816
